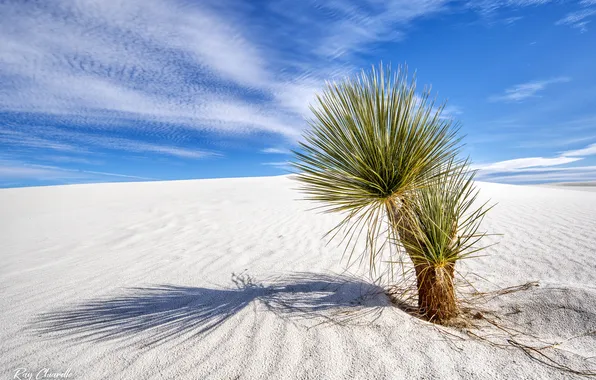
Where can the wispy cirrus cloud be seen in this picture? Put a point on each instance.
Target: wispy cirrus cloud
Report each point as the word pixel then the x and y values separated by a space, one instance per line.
pixel 526 90
pixel 587 151
pixel 16 171
pixel 536 169
pixel 69 159
pixel 583 174
pixel 11 171
pixel 579 19
pixel 570 174
pixel 524 163
pixel 276 151
pixel 490 6
pixel 356 24
pixel 278 164
pixel 16 138
pixel 72 141
pixel 156 61
pixel 537 173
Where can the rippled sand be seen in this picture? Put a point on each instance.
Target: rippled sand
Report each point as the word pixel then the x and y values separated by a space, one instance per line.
pixel 230 279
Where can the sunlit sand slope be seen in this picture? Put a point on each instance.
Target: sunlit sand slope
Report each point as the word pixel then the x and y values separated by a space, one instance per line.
pixel 230 279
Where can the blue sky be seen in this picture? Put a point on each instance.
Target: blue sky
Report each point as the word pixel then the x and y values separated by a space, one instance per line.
pixel 98 91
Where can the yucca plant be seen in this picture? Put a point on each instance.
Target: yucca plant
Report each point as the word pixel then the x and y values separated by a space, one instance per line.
pixel 439 226
pixel 374 146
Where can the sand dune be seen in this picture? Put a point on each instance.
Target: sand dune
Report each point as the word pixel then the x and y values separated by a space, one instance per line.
pixel 136 281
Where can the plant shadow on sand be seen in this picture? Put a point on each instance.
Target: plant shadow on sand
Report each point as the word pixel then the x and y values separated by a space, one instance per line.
pixel 149 316
pixel 168 312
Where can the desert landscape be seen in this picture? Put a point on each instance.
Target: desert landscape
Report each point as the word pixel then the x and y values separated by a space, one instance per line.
pixel 231 279
pixel 309 190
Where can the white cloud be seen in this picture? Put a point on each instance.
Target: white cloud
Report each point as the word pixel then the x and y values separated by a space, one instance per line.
pixel 26 172
pixel 155 61
pixel 522 163
pixel 278 164
pixel 141 147
pixel 106 174
pixel 489 7
pixel 571 174
pixel 362 23
pixel 12 170
pixel 276 151
pixel 298 95
pixel 512 20
pixel 526 90
pixel 578 19
pixel 17 138
pixel 540 169
pixel 451 112
pixel 587 151
pixel 72 141
pixel 69 159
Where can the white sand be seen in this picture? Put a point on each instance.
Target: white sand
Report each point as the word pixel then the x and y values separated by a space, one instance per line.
pixel 71 256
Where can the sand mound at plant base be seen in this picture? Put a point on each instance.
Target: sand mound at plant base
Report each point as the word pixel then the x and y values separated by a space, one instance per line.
pixel 135 281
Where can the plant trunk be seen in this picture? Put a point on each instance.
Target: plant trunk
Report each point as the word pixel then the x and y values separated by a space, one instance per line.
pixel 436 292
pixel 435 284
